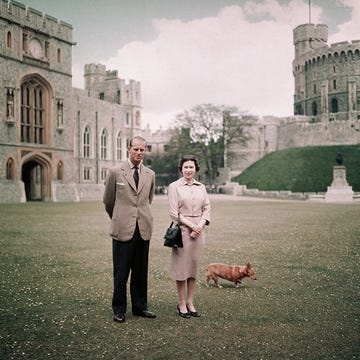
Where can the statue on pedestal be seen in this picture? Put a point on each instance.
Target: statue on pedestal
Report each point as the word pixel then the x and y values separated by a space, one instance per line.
pixel 339 158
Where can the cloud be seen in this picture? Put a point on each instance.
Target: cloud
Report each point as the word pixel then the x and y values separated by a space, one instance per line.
pixel 240 57
pixel 350 30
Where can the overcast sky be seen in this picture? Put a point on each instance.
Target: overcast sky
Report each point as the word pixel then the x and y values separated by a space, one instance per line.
pixel 189 52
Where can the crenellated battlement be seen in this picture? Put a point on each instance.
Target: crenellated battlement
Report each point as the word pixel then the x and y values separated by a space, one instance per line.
pixel 305 32
pixel 98 81
pixel 344 48
pixel 18 13
pixel 112 74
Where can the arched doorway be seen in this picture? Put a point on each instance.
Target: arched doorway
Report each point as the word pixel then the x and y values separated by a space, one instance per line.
pixel 35 174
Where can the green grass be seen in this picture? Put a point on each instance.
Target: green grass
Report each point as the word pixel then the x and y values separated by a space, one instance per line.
pixel 56 285
pixel 308 169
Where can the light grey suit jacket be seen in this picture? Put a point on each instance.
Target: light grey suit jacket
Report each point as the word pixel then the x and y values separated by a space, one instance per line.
pixel 125 205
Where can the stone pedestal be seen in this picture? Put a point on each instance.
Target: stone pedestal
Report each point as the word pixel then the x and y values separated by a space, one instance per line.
pixel 339 189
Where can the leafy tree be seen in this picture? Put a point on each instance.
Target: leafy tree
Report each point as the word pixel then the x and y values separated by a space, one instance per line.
pixel 209 129
pixel 166 166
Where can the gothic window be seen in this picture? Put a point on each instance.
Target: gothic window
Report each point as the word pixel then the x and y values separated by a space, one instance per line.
pixel 60 113
pixel 9 40
pixel 60 171
pixel 314 108
pixel 25 43
pixel 58 55
pixel 299 110
pixel 103 173
pixel 101 96
pixel 33 115
pixel 118 96
pixel 103 145
pixel 334 105
pixel 334 84
pixel 118 146
pixel 87 173
pixel 127 119
pixel 314 88
pixel 127 146
pixel 10 169
pixel 86 143
pixel 47 50
pixel 137 118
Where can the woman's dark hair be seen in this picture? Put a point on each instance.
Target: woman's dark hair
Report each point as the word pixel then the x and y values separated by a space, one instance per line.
pixel 185 158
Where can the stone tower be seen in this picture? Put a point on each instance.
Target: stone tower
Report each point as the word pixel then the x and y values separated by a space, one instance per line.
pixel 306 37
pixel 36 157
pixel 327 78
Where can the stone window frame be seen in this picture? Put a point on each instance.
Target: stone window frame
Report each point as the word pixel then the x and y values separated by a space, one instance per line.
pixel 9 40
pixel 103 173
pixel 118 146
pixel 104 144
pixel 60 171
pixel 86 142
pixel 34 112
pixel 10 169
pixel 87 173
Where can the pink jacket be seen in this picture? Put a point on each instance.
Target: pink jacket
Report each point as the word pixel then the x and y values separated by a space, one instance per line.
pixel 190 201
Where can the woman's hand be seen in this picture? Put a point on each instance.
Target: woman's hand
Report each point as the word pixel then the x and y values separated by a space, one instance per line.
pixel 196 230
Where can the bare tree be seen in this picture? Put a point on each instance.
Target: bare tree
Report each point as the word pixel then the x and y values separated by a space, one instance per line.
pixel 210 130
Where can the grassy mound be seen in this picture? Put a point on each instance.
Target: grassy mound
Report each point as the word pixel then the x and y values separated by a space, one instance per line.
pixel 308 169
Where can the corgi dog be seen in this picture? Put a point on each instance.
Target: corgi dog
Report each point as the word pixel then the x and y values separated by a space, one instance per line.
pixel 234 273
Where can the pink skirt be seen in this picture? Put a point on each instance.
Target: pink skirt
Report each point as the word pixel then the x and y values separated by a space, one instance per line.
pixel 185 261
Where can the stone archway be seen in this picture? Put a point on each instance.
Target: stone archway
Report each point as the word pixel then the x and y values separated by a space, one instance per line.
pixel 36 176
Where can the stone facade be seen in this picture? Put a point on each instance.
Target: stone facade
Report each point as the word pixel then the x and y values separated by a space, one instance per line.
pixel 57 142
pixel 326 101
pixel 36 135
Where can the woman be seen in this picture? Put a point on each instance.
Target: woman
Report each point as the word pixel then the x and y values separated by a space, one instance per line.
pixel 189 199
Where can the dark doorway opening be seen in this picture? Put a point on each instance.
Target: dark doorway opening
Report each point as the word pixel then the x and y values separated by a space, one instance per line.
pixel 33 177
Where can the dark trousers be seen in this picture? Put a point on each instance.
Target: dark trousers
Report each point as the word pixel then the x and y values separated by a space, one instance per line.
pixel 131 256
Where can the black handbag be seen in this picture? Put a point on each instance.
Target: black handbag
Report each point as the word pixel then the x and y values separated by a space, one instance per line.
pixel 173 236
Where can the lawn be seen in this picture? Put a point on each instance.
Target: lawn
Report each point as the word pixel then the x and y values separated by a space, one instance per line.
pixel 56 285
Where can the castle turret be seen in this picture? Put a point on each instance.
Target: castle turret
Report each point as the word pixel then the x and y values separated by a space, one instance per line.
pixel 326 77
pixel 94 74
pixel 306 38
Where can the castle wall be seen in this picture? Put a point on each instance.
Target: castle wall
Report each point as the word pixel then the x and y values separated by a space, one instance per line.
pixel 263 139
pixel 301 134
pixel 102 117
pixel 35 53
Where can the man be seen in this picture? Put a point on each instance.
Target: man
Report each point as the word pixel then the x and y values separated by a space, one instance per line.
pixel 129 190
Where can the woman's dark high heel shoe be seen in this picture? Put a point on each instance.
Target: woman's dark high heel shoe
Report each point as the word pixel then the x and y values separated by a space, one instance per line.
pixel 184 315
pixel 193 313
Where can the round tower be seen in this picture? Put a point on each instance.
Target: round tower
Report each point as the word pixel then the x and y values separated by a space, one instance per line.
pixel 306 38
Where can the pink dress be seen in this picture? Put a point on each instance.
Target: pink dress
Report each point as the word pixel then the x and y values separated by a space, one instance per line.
pixel 192 201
